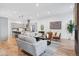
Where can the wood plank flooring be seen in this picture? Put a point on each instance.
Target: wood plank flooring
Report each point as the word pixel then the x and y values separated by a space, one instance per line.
pixel 9 48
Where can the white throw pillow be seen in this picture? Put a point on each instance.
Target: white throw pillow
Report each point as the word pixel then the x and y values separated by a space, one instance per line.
pixel 31 34
pixel 21 36
pixel 57 35
pixel 26 33
pixel 38 35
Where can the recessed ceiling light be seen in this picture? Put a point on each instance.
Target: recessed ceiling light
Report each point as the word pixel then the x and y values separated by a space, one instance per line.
pixel 37 4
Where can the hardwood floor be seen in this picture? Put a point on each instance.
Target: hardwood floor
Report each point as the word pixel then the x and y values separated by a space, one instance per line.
pixel 67 47
pixel 9 48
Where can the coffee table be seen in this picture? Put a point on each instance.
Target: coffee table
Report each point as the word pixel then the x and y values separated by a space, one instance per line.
pixel 39 38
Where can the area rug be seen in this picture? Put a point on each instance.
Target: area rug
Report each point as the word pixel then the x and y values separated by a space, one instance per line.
pixel 52 49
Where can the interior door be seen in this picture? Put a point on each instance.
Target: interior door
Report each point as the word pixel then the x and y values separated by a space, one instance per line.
pixel 3 28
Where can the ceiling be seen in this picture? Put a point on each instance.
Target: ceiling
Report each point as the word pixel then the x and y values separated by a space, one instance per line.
pixel 35 11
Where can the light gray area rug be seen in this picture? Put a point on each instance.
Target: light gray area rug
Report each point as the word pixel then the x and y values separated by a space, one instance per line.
pixel 52 50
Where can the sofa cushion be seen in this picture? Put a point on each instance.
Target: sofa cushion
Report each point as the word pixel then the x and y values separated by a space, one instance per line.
pixel 27 38
pixel 27 33
pixel 54 34
pixel 38 35
pixel 32 34
pixel 21 37
pixel 58 34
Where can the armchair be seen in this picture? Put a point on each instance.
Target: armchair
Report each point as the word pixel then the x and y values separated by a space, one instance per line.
pixel 57 36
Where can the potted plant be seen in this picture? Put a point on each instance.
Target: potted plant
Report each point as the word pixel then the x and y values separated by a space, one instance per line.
pixel 70 27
